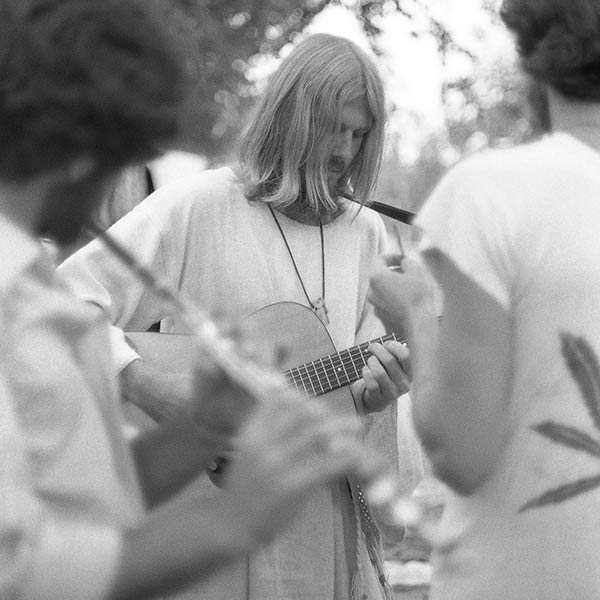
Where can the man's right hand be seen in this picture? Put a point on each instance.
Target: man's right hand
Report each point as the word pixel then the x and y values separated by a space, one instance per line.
pixel 289 447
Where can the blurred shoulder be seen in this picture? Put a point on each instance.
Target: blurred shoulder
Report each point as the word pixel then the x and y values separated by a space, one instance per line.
pixel 502 185
pixel 207 191
pixel 209 183
pixel 510 166
pixel 19 252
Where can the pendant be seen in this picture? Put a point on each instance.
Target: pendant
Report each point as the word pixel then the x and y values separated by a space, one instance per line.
pixel 321 310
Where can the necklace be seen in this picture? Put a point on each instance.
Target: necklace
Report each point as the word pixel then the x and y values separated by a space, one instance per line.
pixel 319 304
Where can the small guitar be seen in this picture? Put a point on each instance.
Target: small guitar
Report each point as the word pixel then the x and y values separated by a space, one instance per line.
pixel 302 334
pixel 383 489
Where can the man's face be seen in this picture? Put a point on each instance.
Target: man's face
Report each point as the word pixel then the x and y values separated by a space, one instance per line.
pixel 343 145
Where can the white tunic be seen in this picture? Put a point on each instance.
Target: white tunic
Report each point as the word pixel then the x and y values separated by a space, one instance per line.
pixel 202 237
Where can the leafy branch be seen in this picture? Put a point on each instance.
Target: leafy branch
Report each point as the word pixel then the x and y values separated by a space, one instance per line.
pixel 584 368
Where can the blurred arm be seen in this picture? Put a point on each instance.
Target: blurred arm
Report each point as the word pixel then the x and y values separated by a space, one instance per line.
pixel 461 365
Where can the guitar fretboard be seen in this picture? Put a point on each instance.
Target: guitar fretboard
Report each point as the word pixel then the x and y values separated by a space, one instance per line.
pixel 333 371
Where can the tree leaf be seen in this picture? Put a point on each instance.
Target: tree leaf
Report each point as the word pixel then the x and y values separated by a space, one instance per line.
pixel 562 493
pixel 583 364
pixel 568 436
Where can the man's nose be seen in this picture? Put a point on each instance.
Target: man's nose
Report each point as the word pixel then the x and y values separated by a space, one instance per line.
pixel 344 146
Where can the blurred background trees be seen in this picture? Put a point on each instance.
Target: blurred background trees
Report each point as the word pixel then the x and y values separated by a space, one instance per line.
pixel 226 38
pixel 480 94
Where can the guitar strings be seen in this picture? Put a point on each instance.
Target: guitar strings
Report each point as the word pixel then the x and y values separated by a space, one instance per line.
pixel 381 488
pixel 338 362
pixel 321 376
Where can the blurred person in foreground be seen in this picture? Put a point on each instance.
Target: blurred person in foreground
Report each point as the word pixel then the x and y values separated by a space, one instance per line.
pixel 281 228
pixel 506 400
pixel 86 88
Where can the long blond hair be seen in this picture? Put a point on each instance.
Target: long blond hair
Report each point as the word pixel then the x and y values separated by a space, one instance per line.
pixel 281 151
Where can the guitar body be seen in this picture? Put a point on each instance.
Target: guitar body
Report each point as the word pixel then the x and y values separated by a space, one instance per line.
pixel 304 338
pixel 290 325
pixel 307 343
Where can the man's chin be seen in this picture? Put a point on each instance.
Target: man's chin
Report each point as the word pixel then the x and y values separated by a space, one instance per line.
pixel 333 184
pixel 334 178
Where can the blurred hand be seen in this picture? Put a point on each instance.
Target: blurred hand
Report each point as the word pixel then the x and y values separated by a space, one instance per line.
pixel 288 449
pixel 397 289
pixel 160 393
pixel 217 402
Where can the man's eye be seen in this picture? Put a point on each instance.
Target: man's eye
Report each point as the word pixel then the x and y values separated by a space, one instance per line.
pixel 359 134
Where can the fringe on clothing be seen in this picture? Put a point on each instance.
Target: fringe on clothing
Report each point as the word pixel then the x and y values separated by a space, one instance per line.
pixel 366 529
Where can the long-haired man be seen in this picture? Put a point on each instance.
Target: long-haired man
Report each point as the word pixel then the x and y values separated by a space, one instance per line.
pixel 287 225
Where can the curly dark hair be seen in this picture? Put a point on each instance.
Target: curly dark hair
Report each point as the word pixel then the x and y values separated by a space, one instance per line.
pixel 98 77
pixel 559 42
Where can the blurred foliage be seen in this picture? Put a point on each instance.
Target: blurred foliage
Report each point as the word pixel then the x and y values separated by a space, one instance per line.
pixel 488 110
pixel 222 37
pixel 225 37
pixel 495 106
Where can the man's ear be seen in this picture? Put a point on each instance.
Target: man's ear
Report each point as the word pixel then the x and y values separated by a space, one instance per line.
pixel 79 168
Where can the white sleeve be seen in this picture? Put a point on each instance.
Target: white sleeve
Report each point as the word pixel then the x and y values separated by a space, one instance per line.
pixel 123 353
pixel 157 233
pixel 98 277
pixel 43 557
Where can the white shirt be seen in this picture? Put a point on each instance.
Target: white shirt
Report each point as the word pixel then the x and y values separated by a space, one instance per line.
pixel 67 483
pixel 201 237
pixel 523 224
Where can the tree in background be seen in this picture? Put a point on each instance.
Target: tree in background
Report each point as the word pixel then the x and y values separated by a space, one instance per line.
pixel 224 38
pixel 227 39
pixel 492 106
pixel 490 109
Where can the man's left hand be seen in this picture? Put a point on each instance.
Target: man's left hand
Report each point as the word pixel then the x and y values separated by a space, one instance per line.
pixel 387 375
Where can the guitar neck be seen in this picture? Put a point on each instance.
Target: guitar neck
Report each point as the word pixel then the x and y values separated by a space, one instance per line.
pixel 334 371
